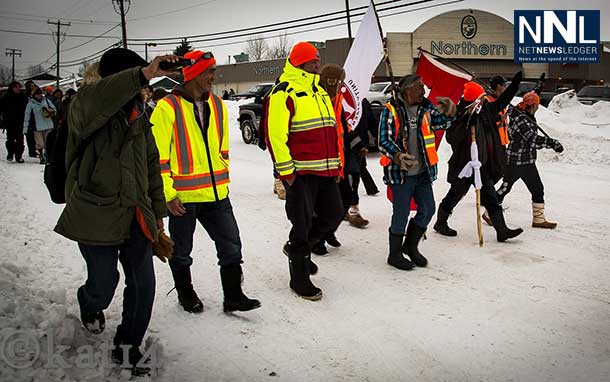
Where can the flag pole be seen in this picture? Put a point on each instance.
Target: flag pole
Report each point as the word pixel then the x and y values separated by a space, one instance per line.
pixel 395 92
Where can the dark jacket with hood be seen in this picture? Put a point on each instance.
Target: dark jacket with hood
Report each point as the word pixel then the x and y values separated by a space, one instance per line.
pixel 13 109
pixel 492 154
pixel 118 171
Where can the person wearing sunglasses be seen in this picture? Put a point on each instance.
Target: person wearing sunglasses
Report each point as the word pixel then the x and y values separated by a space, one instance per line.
pixel 191 129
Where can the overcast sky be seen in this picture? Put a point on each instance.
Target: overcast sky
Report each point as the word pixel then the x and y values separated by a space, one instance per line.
pixel 150 19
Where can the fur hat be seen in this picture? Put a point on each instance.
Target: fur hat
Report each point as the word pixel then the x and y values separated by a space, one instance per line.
pixel 330 75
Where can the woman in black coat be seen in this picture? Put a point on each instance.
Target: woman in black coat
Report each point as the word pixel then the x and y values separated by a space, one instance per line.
pixel 13 109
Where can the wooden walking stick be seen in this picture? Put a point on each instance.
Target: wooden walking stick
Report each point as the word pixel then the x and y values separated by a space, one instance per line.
pixel 473 137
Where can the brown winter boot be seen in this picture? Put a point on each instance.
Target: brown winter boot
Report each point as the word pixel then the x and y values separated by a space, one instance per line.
pixel 539 221
pixel 279 190
pixel 354 218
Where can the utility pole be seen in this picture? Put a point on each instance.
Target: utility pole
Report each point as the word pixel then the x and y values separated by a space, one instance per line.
pixel 146 45
pixel 121 11
pixel 13 52
pixel 349 23
pixel 59 25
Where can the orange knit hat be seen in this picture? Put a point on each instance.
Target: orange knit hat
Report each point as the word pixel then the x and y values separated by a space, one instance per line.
pixel 472 91
pixel 529 98
pixel 303 52
pixel 201 64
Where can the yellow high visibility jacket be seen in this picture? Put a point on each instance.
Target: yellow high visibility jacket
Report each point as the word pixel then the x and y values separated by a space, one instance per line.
pixel 194 165
pixel 301 129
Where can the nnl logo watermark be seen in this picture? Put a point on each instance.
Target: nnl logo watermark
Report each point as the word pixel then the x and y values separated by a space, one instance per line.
pixel 557 36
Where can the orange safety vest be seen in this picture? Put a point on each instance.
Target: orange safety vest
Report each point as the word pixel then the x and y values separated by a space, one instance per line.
pixel 427 132
pixel 338 109
pixel 502 123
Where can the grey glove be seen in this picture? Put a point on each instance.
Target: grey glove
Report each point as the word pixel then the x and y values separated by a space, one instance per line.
pixel 405 161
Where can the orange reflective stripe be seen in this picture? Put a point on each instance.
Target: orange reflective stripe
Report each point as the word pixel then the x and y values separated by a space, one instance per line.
pixel 184 152
pixel 199 181
pixel 429 140
pixel 385 161
pixel 218 117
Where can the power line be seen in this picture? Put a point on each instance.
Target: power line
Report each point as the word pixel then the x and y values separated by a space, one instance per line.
pixel 122 12
pixel 13 52
pixel 173 11
pixel 43 18
pixel 59 24
pixel 93 39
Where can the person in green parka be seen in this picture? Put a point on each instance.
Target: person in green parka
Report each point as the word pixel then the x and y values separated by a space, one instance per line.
pixel 114 195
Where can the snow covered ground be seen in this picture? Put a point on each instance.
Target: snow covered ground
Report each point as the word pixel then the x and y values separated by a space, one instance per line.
pixel 534 309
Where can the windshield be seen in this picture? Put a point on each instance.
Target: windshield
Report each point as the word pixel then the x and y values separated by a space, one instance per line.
pixel 257 88
pixel 595 92
pixel 378 87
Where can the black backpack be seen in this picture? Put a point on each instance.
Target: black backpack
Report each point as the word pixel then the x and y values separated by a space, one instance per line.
pixel 55 169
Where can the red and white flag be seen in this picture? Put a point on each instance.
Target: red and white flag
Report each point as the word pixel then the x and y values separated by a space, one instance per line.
pixel 363 58
pixel 443 81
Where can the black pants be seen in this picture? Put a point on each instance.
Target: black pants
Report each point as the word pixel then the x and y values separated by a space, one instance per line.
pixel 135 256
pixel 459 189
pixel 218 220
pixel 31 142
pixel 309 194
pixel 367 179
pixel 530 176
pixel 14 141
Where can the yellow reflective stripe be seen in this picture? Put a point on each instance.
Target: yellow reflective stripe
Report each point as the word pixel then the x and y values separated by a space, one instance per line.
pixel 330 120
pixel 184 160
pixel 284 166
pixel 308 127
pixel 199 181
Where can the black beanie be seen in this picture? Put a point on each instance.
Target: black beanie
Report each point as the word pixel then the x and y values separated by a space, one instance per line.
pixel 495 81
pixel 118 59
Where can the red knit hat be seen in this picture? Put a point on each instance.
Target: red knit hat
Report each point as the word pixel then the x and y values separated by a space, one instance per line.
pixel 472 91
pixel 200 66
pixel 303 52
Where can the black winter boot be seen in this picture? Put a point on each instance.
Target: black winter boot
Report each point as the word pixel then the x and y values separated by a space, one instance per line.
pixel 187 297
pixel 95 323
pixel 331 239
pixel 313 268
pixel 319 248
pixel 441 225
pixel 299 276
pixel 409 248
pixel 395 258
pixel 503 233
pixel 235 299
pixel 130 357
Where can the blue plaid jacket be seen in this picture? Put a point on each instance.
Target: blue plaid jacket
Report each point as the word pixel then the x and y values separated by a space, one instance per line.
pixel 389 145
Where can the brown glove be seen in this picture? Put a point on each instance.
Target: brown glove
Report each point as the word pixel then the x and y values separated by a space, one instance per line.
pixel 163 248
pixel 405 161
pixel 446 106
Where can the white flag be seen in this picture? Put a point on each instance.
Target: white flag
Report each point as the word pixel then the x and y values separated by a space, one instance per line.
pixel 361 62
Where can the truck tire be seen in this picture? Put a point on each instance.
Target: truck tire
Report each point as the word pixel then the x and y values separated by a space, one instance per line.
pixel 248 132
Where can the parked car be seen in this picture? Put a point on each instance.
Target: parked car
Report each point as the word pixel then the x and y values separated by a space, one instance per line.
pixel 379 93
pixel 250 113
pixel 258 89
pixel 591 94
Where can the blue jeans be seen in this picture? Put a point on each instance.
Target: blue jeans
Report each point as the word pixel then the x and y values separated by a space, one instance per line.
pixel 218 220
pixel 135 255
pixel 420 188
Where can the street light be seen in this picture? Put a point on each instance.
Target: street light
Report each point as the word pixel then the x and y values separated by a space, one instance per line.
pixel 146 48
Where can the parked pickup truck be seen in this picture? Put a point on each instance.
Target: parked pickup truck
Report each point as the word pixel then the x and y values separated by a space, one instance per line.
pixel 250 113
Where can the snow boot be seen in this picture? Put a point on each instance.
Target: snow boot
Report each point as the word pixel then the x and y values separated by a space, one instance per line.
pixel 279 190
pixel 441 225
pixel 395 258
pixel 187 297
pixel 313 268
pixel 539 221
pixel 486 218
pixel 19 160
pixel 9 157
pixel 43 157
pixel 134 361
pixel 503 233
pixel 235 299
pixel 299 276
pixel 409 248
pixel 319 248
pixel 354 218
pixel 94 323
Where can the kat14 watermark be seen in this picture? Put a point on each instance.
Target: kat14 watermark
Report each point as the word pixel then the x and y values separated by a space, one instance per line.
pixel 557 36
pixel 27 349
